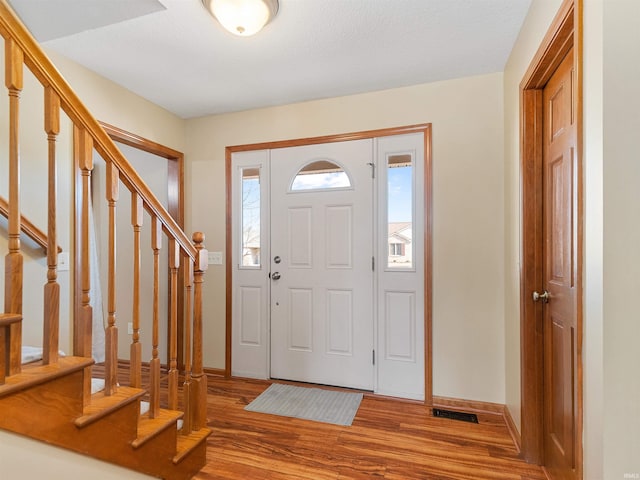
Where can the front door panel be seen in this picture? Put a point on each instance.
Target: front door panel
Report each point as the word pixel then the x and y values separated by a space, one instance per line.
pixel 321 264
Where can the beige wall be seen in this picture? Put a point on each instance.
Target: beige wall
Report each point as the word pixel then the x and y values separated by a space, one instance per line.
pixel 467 118
pixel 621 245
pixel 538 19
pixel 118 106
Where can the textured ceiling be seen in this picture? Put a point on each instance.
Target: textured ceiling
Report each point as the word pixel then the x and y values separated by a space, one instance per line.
pixel 173 53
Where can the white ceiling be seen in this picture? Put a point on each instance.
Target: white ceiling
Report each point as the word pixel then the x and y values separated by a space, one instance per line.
pixel 173 53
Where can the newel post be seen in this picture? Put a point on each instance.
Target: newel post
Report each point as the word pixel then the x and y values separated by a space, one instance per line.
pixel 199 378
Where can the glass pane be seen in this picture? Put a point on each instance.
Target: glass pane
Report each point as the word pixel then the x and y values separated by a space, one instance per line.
pixel 251 217
pixel 320 175
pixel 400 211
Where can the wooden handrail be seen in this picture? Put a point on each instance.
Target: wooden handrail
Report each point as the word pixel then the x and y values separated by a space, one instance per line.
pixel 89 135
pixel 44 70
pixel 28 228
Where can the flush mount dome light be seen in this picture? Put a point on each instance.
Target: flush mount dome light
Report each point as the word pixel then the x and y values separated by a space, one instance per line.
pixel 242 17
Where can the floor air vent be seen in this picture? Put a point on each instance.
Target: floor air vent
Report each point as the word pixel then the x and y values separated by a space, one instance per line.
pixel 464 417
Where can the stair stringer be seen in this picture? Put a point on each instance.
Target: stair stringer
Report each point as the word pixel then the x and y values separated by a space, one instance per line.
pixel 48 410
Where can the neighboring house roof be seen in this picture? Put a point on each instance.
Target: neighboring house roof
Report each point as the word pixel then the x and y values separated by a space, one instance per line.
pixel 401 230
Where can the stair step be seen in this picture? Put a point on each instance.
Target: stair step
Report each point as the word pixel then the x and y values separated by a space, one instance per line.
pixel 188 443
pixel 102 405
pixel 9 318
pixel 149 428
pixel 33 375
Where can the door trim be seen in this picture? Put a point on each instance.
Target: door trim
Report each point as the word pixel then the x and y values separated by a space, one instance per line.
pixel 564 33
pixel 428 192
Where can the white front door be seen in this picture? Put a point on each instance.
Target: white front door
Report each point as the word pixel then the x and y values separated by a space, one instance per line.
pixel 322 307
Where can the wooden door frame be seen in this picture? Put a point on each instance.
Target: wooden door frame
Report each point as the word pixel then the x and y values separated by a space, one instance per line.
pixel 425 129
pixel 175 207
pixel 564 33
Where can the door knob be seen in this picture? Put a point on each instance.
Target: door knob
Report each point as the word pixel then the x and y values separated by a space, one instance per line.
pixel 275 276
pixel 541 296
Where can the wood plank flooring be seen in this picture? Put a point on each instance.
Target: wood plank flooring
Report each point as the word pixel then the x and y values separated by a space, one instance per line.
pixel 389 439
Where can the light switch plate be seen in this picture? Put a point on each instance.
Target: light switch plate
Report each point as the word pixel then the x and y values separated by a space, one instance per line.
pixel 215 258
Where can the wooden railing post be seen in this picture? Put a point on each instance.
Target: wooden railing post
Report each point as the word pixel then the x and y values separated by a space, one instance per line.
pixel 83 325
pixel 199 378
pixel 52 288
pixel 154 391
pixel 135 373
pixel 14 60
pixel 111 333
pixel 174 264
pixel 187 424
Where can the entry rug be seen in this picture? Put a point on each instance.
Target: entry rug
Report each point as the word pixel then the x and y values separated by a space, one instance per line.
pixel 328 406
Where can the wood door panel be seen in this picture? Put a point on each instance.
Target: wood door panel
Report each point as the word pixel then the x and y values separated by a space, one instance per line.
pixel 559 317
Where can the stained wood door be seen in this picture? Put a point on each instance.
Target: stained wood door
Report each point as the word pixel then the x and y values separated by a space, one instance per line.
pixel 322 314
pixel 559 272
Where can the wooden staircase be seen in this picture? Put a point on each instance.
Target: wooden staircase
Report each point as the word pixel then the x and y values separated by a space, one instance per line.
pixel 51 400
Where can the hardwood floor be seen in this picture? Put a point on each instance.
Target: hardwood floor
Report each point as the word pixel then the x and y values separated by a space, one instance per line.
pixel 389 439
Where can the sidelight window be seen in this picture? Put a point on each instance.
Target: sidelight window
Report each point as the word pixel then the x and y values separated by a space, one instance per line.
pixel 400 210
pixel 251 217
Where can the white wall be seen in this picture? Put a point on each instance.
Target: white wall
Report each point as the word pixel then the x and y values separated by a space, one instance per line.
pixel 467 118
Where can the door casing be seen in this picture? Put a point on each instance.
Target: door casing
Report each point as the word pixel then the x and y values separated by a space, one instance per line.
pixel 427 199
pixel 564 33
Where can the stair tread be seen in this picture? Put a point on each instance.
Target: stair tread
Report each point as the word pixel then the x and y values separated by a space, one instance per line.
pixel 187 443
pixel 102 405
pixel 33 375
pixel 149 428
pixel 9 318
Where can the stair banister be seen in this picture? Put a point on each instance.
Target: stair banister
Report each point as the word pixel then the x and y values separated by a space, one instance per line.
pixel 47 74
pixel 51 314
pixel 199 377
pixel 27 227
pixel 135 356
pixel 80 408
pixel 14 260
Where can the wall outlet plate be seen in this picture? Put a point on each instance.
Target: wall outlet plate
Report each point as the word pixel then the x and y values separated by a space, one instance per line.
pixel 63 262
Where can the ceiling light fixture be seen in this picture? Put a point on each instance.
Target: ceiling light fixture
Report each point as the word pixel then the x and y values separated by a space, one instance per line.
pixel 242 17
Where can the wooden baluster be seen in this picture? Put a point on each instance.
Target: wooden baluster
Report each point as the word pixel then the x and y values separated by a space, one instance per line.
pixel 13 265
pixel 187 424
pixel 83 325
pixel 199 379
pixel 52 288
pixel 111 334
pixel 174 264
pixel 135 373
pixel 156 245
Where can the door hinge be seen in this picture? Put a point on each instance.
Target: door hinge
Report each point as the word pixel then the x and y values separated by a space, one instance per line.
pixel 373 264
pixel 373 357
